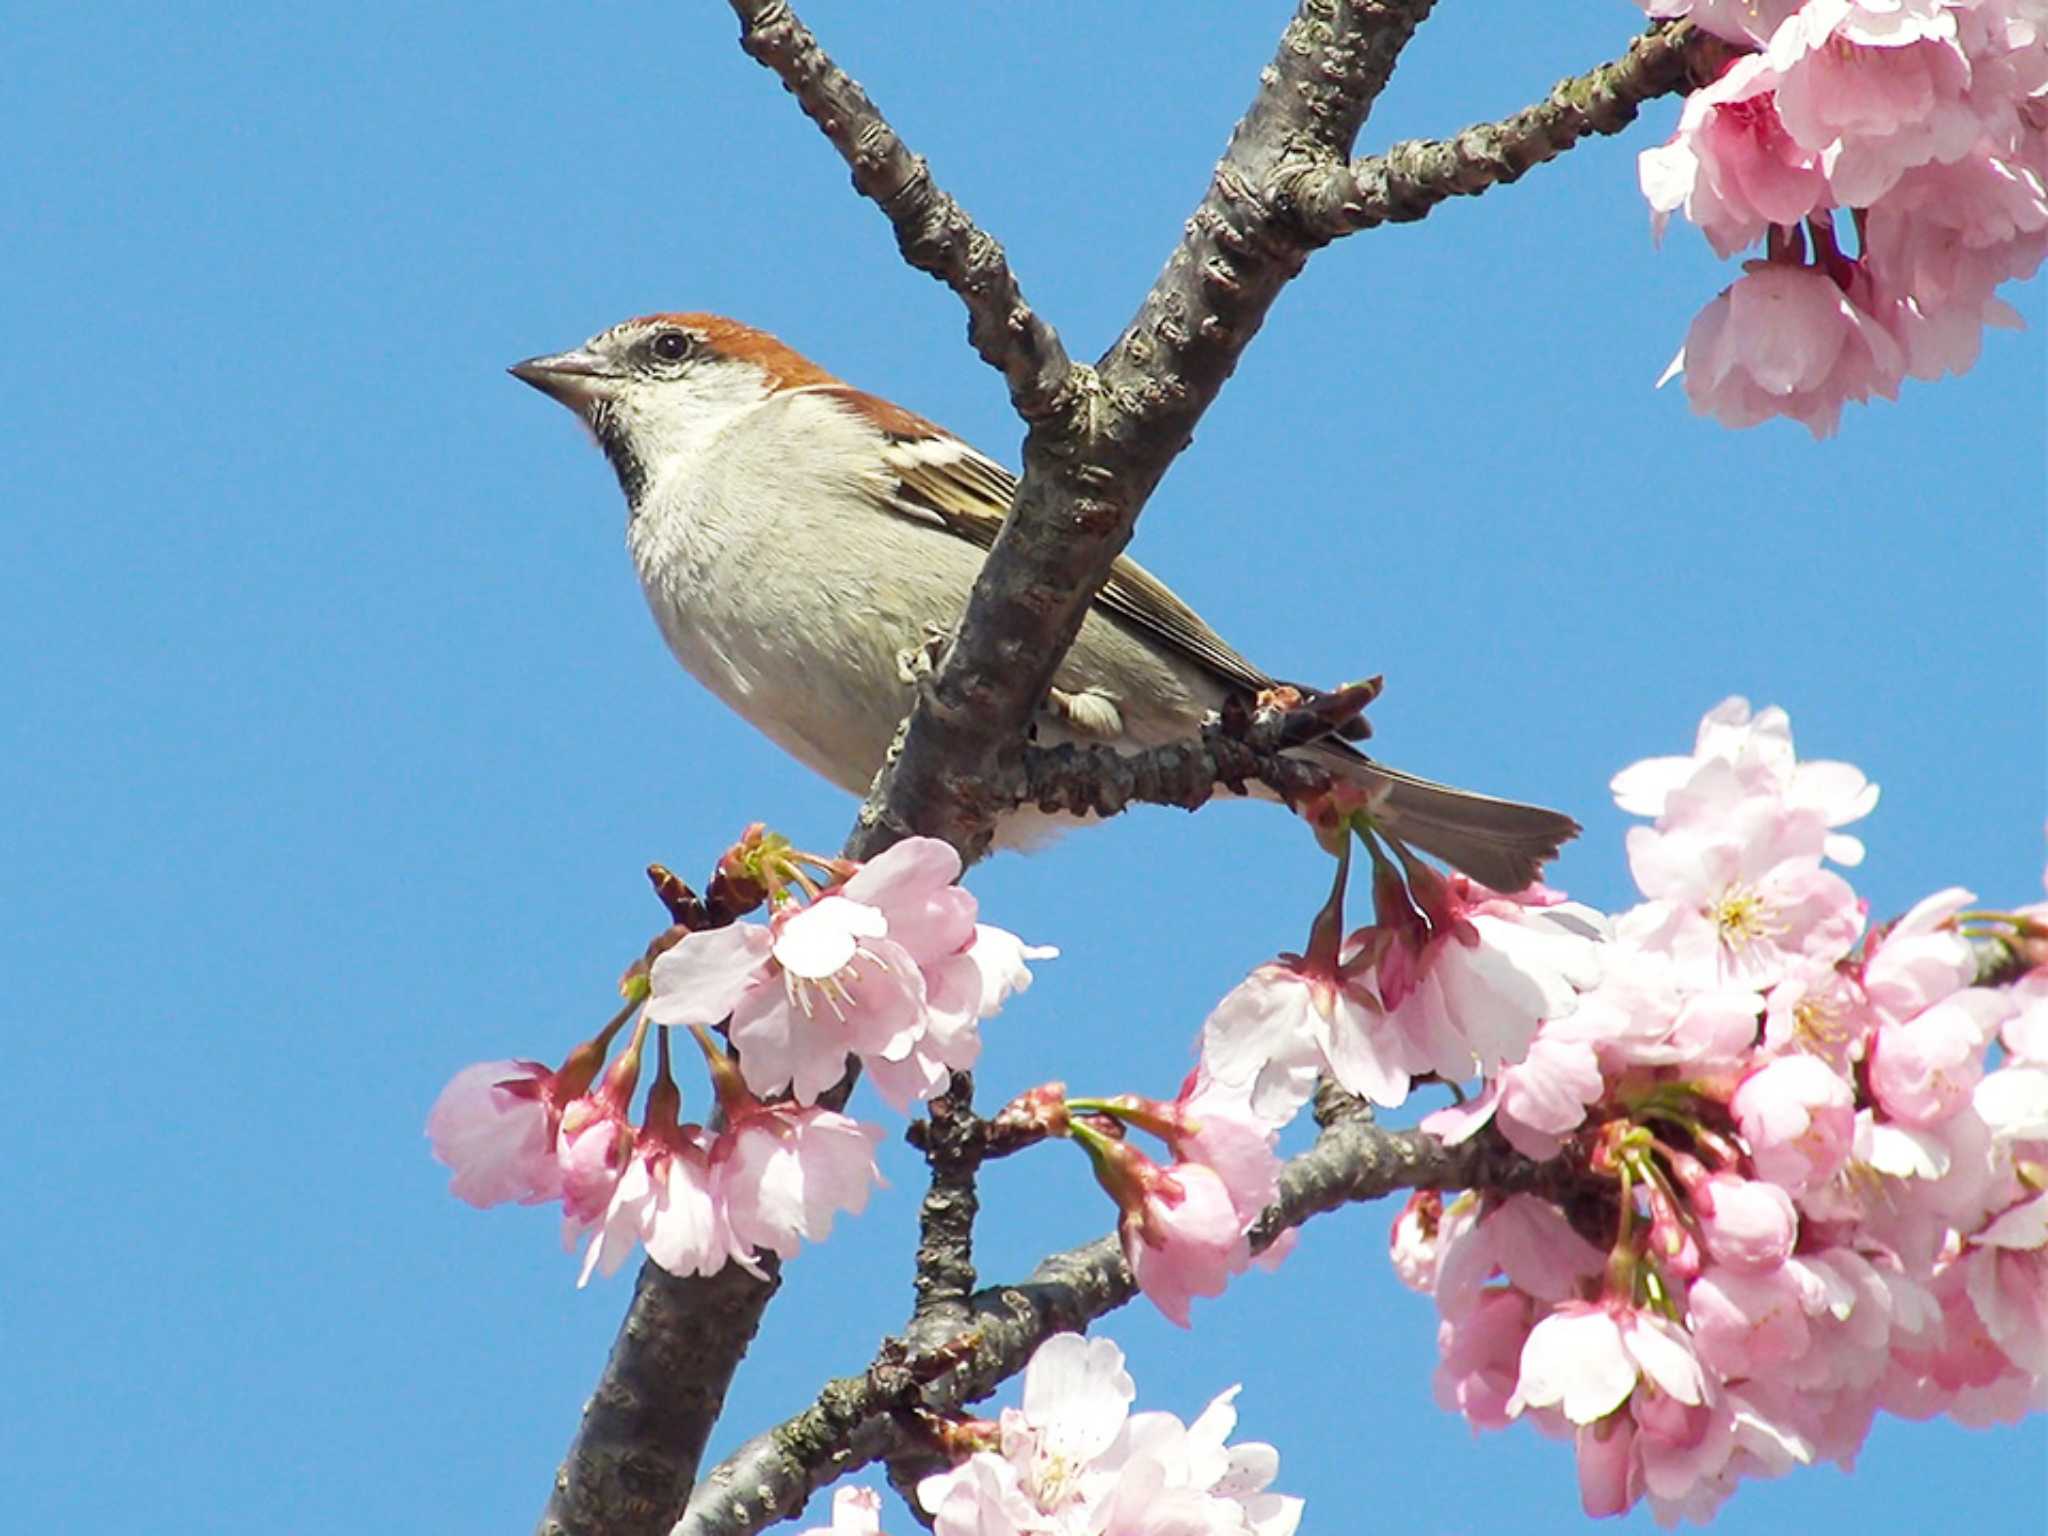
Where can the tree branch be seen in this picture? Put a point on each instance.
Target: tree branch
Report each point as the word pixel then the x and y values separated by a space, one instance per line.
pixel 1089 468
pixel 952 1140
pixel 934 232
pixel 854 1421
pixel 1410 179
pixel 1229 754
pixel 635 1454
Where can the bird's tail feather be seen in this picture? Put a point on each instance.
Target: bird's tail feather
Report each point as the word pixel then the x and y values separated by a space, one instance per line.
pixel 1500 843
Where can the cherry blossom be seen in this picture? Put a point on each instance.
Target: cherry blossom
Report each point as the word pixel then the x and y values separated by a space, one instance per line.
pixel 786 1172
pixel 1798 1118
pixel 494 1126
pixel 668 1199
pixel 1208 1124
pixel 1466 974
pixel 1073 1460
pixel 1268 1037
pixel 1739 21
pixel 1876 88
pixel 1822 1200
pixel 891 966
pixel 1184 1237
pixel 595 1142
pixel 1748 1224
pixel 1758 748
pixel 1731 166
pixel 1737 894
pixel 1585 1360
pixel 1785 340
pixel 855 1512
pixel 1921 117
pixel 1452 978
pixel 1922 1070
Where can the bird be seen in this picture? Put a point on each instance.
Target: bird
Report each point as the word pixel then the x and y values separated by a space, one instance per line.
pixel 802 543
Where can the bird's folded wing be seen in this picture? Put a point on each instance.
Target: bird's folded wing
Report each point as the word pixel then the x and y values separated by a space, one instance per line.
pixel 934 477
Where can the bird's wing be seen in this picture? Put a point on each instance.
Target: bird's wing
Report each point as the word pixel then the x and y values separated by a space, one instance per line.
pixel 933 477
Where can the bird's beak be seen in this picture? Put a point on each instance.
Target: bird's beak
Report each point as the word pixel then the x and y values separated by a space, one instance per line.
pixel 578 379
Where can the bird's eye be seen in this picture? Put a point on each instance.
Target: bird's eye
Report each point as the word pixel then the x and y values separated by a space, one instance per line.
pixel 671 346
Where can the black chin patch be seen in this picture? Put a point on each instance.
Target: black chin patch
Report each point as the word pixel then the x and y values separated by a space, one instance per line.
pixel 612 438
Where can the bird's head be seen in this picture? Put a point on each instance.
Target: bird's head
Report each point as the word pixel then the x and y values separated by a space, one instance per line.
pixel 654 390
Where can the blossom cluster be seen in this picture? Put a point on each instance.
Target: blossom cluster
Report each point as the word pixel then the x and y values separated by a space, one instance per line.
pixel 1073 1460
pixel 1801 1165
pixel 888 964
pixel 1926 120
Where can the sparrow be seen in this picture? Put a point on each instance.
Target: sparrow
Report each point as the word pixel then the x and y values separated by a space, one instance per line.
pixel 802 543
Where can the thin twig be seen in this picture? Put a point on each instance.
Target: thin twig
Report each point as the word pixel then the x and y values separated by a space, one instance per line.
pixel 1410 179
pixel 934 232
pixel 952 1141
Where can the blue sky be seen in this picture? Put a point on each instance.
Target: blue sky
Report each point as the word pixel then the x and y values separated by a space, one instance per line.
pixel 336 734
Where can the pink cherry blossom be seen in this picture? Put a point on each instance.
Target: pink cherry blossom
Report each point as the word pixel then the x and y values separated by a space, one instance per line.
pixel 1923 1069
pixel 1876 88
pixel 591 1152
pixel 1479 1354
pixel 910 884
pixel 1186 1240
pixel 494 1127
pixel 683 1224
pixel 891 967
pixel 1731 165
pixel 961 989
pixel 2025 1034
pixel 1266 1039
pixel 1413 1243
pixel 1739 21
pixel 1758 749
pixel 668 1201
pixel 1467 974
pixel 839 987
pixel 1799 1119
pixel 1867 1235
pixel 1605 1450
pixel 1955 232
pixel 1919 960
pixel 1818 1009
pixel 1747 1322
pixel 1785 340
pixel 2013 1101
pixel 855 1512
pixel 2007 1282
pixel 1074 1461
pixel 1737 894
pixel 1525 1239
pixel 1538 1100
pixel 1585 1359
pixel 1209 1125
pixel 1181 1480
pixel 785 1172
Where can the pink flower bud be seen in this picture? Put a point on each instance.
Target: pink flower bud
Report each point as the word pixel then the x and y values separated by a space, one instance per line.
pixel 1748 1224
